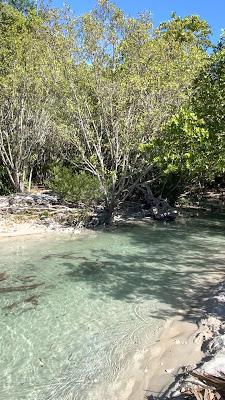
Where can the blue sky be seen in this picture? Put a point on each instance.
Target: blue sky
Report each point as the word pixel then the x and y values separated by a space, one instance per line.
pixel 211 10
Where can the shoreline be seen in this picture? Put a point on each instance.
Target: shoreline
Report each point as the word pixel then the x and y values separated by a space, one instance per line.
pixel 162 371
pixel 184 346
pixel 34 228
pixel 175 348
pixel 153 370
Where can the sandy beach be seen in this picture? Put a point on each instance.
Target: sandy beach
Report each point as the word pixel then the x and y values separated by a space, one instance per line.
pixel 176 348
pixel 10 227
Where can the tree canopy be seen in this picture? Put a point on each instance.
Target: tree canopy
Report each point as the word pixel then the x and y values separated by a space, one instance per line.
pixel 109 96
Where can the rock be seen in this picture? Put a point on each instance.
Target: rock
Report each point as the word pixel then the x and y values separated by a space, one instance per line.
pixel 222 328
pixel 41 199
pixel 215 366
pixel 217 344
pixel 4 201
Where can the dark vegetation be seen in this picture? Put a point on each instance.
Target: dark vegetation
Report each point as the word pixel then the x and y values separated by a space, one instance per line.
pixel 104 107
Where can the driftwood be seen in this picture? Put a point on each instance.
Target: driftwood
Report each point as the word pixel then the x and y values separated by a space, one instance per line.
pixel 217 382
pixel 209 387
pixel 19 288
pixel 159 208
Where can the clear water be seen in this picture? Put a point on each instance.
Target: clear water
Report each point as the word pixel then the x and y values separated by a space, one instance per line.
pixel 102 301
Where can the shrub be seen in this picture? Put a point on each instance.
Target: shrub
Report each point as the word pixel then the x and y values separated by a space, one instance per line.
pixel 74 186
pixel 5 184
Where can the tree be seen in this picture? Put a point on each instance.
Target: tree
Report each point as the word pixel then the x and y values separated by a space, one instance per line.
pixel 209 92
pixel 184 149
pixel 23 6
pixel 192 148
pixel 190 30
pixel 208 103
pixel 126 83
pixel 221 44
pixel 31 52
pixel 92 91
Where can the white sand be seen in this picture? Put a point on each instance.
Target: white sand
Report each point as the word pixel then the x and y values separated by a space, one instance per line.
pixel 11 227
pixel 176 348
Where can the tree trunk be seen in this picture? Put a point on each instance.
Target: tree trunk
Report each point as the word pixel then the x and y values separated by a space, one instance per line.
pixel 18 182
pixel 149 198
pixel 30 179
pixel 109 209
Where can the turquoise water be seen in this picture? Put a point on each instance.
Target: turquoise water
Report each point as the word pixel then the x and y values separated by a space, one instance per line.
pixel 102 299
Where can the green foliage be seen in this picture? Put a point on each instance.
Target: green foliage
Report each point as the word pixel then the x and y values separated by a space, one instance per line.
pixel 5 185
pixel 33 53
pixel 190 29
pixel 184 146
pixel 23 6
pixel 74 186
pixel 208 102
pixel 128 82
pixel 45 214
pixel 209 94
pixel 111 94
pixel 191 148
pixel 186 143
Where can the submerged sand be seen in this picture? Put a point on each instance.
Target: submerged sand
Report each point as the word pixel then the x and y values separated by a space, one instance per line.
pixel 155 370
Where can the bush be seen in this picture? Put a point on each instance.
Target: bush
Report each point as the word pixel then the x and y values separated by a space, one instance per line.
pixel 74 186
pixel 5 184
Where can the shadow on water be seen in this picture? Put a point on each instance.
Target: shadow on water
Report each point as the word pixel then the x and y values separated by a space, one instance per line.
pixel 177 265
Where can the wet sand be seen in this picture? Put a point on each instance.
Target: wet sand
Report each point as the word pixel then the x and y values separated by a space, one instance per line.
pixel 176 348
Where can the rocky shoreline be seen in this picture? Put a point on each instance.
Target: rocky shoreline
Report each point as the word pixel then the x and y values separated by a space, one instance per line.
pixel 44 212
pixel 23 214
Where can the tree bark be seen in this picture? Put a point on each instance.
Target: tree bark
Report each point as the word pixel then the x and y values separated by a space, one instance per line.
pixel 30 179
pixel 18 182
pixel 109 209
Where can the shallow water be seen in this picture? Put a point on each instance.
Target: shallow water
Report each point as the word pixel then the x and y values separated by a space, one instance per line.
pixel 103 299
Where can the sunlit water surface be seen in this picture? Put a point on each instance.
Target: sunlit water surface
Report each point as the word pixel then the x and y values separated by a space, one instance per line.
pixel 103 298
